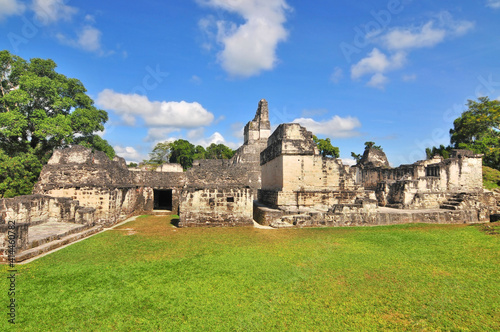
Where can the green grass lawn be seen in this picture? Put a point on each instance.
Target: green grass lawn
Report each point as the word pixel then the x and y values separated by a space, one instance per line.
pixel 147 275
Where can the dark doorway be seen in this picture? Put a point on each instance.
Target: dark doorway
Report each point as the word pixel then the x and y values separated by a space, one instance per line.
pixel 163 199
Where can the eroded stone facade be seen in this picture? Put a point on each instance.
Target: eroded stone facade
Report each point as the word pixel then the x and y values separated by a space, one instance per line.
pixel 302 188
pixel 279 180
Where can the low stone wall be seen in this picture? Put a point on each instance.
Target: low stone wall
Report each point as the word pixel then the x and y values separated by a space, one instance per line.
pixel 110 204
pixel 366 215
pixel 36 209
pixel 19 213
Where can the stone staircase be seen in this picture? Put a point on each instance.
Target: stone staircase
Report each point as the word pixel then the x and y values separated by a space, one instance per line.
pixel 453 203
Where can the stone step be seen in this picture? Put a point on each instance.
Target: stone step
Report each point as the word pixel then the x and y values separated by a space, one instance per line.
pixel 53 237
pixel 453 202
pixel 448 207
pixel 162 212
pixel 280 224
pixel 33 252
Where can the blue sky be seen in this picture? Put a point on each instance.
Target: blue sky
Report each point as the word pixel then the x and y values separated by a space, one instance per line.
pixel 397 72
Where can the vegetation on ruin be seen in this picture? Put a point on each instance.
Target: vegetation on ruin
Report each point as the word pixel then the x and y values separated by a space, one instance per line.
pixel 443 151
pixel 476 129
pixel 491 178
pixel 325 147
pixel 368 145
pixel 41 110
pixel 149 276
pixel 183 152
pixel 371 145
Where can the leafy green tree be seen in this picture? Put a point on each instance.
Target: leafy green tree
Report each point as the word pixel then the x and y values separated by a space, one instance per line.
pixel 96 142
pixel 441 151
pixel 182 152
pixel 41 110
pixel 160 154
pixel 18 174
pixel 325 147
pixel 219 151
pixel 132 165
pixel 199 152
pixel 478 130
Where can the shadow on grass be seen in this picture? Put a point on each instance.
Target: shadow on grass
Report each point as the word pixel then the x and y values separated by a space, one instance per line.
pixel 175 220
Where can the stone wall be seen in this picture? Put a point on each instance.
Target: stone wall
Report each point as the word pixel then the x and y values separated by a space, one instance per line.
pixel 216 207
pixel 170 167
pixel 423 184
pixel 37 209
pixel 359 215
pixel 19 213
pixel 116 193
pixel 12 236
pixel 259 128
pixel 295 175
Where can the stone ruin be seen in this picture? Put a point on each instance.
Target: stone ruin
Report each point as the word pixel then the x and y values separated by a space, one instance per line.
pixel 279 180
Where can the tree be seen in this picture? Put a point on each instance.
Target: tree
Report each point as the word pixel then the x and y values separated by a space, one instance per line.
pixel 356 156
pixel 41 110
pixel 371 145
pixel 160 154
pixel 182 152
pixel 368 145
pixel 96 142
pixel 219 151
pixel 478 129
pixel 441 151
pixel 199 152
pixel 18 174
pixel 325 147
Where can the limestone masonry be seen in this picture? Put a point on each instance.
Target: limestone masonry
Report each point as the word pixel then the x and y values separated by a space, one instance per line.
pixel 277 179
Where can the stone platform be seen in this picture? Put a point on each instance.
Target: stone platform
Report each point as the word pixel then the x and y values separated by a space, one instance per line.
pixel 277 218
pixel 48 236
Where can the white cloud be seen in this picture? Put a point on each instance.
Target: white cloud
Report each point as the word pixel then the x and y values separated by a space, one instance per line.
pixel 129 153
pixel 195 134
pixel 348 161
pixel 399 41
pixel 155 113
pixel 216 138
pixel 335 127
pixel 237 130
pixel 88 39
pixel 337 75
pixel 159 134
pixel 493 4
pixel 250 47
pixel 10 7
pixel 406 38
pixel 51 11
pixel 376 64
pixel 378 81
